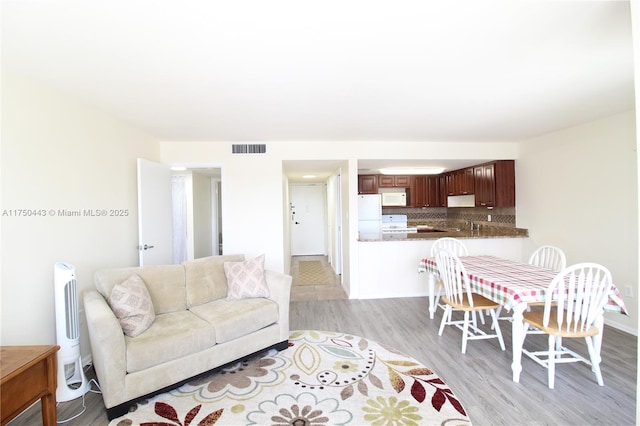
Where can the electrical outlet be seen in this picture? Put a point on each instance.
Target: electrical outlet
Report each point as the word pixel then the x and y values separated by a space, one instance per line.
pixel 628 291
pixel 488 218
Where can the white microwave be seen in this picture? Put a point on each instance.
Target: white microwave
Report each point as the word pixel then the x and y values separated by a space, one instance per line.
pixel 394 198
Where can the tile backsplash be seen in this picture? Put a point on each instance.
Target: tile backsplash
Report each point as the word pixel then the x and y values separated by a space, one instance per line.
pixel 499 216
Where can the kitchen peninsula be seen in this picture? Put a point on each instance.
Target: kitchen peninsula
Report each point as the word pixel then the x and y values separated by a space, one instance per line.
pixel 387 263
pixel 456 229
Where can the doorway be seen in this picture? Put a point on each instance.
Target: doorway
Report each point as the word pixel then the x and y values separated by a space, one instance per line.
pixel 197 218
pixel 308 219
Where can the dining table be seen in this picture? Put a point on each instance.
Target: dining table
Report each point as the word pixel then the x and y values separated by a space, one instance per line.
pixel 514 285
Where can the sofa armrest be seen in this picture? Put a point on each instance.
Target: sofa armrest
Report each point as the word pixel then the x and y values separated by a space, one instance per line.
pixel 108 351
pixel 280 292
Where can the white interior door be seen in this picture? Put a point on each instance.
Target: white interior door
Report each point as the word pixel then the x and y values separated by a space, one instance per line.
pixel 307 217
pixel 154 213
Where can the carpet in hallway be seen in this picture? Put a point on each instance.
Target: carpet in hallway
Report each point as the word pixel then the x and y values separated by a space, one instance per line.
pixel 313 272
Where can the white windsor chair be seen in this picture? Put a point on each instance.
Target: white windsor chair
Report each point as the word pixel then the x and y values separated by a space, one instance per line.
pixel 458 296
pixel 574 309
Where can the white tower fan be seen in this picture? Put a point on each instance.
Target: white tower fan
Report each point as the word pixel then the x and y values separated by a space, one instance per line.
pixel 72 383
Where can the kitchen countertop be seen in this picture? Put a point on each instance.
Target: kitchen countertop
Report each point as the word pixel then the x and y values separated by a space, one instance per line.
pixel 456 229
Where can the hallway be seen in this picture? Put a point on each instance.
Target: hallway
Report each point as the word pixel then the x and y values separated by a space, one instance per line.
pixel 318 284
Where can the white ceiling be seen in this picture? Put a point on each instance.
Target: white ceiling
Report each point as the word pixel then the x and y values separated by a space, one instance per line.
pixel 262 70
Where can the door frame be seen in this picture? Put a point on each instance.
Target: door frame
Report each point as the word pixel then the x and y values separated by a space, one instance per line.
pixel 215 218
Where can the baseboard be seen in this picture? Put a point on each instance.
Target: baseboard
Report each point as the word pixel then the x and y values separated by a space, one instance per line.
pixel 87 360
pixel 621 327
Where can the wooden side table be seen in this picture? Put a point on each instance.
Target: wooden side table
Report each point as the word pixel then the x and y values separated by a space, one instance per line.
pixel 28 374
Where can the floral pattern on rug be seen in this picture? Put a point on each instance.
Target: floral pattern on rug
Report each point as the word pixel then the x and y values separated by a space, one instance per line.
pixel 323 378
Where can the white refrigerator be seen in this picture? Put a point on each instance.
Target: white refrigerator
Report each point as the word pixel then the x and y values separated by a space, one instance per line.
pixel 369 215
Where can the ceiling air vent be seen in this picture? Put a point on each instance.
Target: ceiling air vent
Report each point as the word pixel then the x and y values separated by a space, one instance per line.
pixel 246 148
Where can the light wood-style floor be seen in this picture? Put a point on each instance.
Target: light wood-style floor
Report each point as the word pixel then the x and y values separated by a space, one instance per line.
pixel 481 379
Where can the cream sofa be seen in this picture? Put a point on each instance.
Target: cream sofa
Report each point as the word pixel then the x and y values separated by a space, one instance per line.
pixel 196 327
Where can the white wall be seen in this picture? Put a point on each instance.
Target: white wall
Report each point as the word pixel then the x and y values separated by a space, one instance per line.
pixel 252 197
pixel 577 189
pixel 59 154
pixel 202 216
pixel 255 199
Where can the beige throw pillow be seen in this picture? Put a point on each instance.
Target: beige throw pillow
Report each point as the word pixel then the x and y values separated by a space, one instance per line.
pixel 131 302
pixel 246 279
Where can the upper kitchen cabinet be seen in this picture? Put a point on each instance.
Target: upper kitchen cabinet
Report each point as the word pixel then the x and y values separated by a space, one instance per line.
pixel 450 183
pixel 425 191
pixel 419 191
pixel 433 191
pixel 367 184
pixel 467 186
pixel 495 184
pixel 442 190
pixel 460 182
pixel 394 181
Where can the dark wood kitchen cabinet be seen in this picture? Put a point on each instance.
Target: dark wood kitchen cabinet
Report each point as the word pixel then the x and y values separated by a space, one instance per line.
pixel 495 184
pixel 460 182
pixel 386 181
pixel 433 191
pixel 394 181
pixel 402 181
pixel 467 184
pixel 454 182
pixel 367 184
pixel 442 190
pixel 425 191
pixel 485 185
pixel 419 191
pixel 450 183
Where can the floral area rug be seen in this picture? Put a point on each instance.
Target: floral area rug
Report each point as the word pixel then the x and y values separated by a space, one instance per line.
pixel 323 378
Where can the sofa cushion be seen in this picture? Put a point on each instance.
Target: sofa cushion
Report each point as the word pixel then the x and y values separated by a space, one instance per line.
pixel 165 284
pixel 131 303
pixel 246 279
pixel 171 336
pixel 205 278
pixel 236 318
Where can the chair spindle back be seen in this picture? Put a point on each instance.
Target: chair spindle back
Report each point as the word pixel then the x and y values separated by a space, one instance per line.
pixel 580 293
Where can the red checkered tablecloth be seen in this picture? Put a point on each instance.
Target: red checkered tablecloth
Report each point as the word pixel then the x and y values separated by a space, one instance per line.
pixel 509 283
